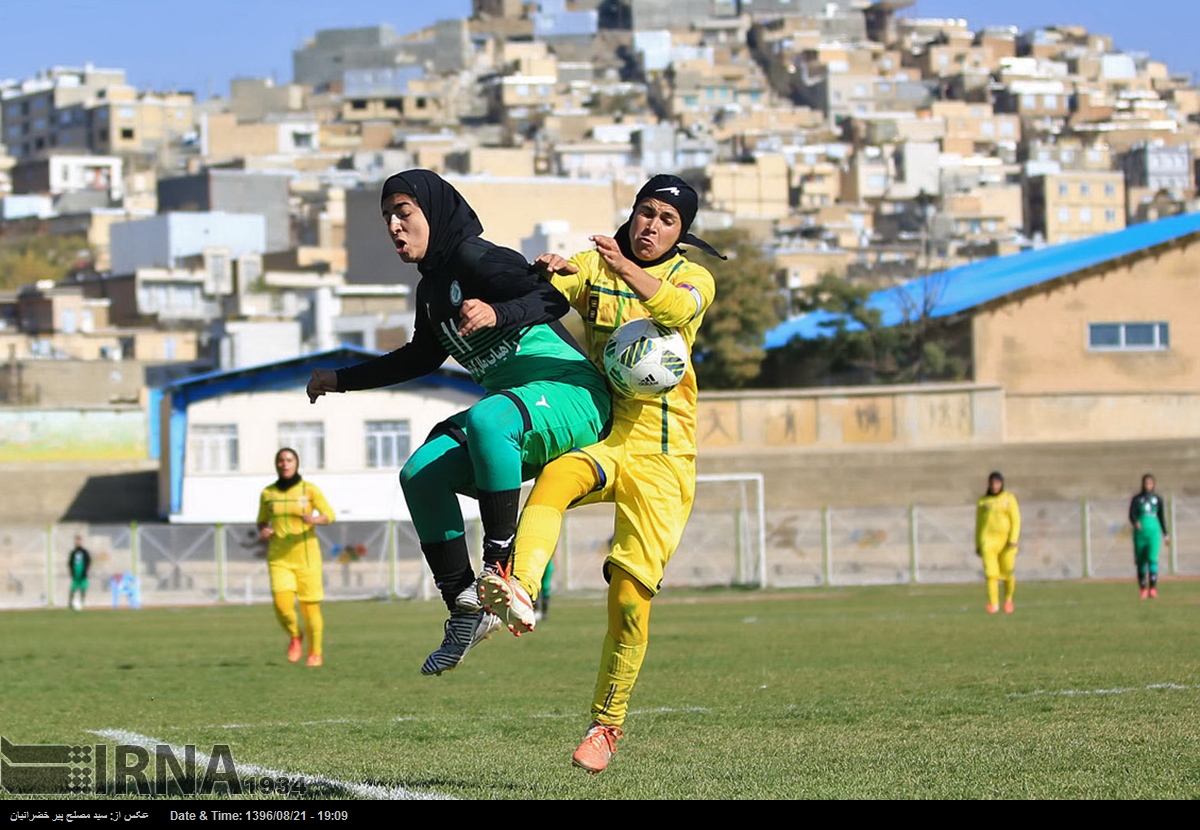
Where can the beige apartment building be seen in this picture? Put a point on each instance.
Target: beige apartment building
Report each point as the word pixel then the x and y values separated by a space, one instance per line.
pixel 133 122
pixel 975 127
pixel 751 190
pixel 1074 204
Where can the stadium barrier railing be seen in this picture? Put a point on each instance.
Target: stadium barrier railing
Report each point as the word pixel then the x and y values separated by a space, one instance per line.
pixel 731 540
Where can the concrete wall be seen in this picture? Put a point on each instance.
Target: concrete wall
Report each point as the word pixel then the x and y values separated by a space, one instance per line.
pixel 61 435
pixel 1038 344
pixel 1102 417
pixel 902 416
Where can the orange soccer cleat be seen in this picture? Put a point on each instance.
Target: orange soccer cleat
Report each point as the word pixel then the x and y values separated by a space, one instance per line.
pixel 1153 593
pixel 1144 593
pixel 992 609
pixel 315 660
pixel 598 747
pixel 1008 606
pixel 295 650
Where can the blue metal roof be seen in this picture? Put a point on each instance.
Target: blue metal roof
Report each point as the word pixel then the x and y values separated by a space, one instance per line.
pixel 968 286
pixel 294 373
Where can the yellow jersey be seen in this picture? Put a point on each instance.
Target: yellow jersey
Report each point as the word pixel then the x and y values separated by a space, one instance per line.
pixel 997 522
pixel 292 538
pixel 666 424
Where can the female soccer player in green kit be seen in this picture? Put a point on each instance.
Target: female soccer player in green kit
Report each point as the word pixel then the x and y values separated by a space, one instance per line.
pixel 1149 534
pixel 489 309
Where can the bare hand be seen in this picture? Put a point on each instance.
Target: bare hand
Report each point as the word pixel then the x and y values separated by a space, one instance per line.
pixel 265 532
pixel 610 252
pixel 322 381
pixel 1167 541
pixel 475 315
pixel 548 264
pixel 1137 525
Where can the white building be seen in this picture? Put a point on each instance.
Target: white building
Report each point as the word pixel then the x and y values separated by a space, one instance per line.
pixel 219 432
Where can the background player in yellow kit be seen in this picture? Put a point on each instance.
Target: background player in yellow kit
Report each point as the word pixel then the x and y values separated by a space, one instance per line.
pixel 997 530
pixel 646 465
pixel 287 512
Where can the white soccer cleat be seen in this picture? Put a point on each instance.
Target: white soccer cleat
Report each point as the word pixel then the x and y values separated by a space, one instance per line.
pixel 464 630
pixel 468 598
pixel 506 598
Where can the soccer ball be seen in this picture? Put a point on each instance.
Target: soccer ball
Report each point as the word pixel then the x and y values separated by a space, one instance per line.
pixel 644 360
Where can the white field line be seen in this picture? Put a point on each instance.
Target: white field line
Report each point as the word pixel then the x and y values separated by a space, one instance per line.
pixel 1118 691
pixel 331 786
pixel 437 718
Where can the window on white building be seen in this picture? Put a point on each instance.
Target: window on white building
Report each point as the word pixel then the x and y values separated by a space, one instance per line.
pixel 307 438
pixel 388 444
pixel 212 448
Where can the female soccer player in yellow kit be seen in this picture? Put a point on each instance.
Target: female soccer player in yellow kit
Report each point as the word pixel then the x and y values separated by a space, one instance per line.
pixel 287 512
pixel 997 530
pixel 646 465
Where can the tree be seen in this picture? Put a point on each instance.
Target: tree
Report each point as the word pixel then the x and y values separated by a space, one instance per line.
pixel 728 352
pixel 26 260
pixel 859 348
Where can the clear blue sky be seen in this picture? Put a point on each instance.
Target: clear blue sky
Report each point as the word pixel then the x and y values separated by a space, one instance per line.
pixel 1166 29
pixel 201 45
pixel 170 44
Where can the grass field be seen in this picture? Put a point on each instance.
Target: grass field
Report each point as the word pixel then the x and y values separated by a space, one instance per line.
pixel 1086 692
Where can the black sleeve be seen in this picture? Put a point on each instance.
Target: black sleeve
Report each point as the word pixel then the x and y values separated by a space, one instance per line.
pixel 1162 520
pixel 87 561
pixel 417 358
pixel 516 291
pixel 1133 509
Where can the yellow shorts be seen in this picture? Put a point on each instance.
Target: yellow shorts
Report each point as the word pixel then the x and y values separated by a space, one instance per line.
pixel 653 495
pixel 999 562
pixel 306 582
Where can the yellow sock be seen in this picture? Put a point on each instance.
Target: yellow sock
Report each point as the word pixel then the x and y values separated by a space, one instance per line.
pixel 563 481
pixel 619 667
pixel 285 612
pixel 537 536
pixel 993 589
pixel 624 647
pixel 1010 587
pixel 315 624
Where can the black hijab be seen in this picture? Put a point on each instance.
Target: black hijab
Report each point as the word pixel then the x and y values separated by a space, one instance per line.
pixel 678 194
pixel 450 218
pixel 285 484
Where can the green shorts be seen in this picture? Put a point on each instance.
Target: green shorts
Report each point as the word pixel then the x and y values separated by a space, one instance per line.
pixel 79 583
pixel 557 417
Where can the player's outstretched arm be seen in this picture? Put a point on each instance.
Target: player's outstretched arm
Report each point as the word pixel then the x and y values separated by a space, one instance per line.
pixel 322 382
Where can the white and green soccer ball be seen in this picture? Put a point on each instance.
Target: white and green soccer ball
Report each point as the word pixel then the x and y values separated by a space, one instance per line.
pixel 644 360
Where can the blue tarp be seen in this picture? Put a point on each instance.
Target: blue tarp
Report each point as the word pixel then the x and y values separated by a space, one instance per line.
pixel 958 289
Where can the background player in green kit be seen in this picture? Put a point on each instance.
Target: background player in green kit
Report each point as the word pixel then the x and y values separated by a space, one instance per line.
pixel 488 308
pixel 1149 533
pixel 78 563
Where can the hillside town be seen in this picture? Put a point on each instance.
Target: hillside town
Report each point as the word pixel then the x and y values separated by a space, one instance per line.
pixel 148 237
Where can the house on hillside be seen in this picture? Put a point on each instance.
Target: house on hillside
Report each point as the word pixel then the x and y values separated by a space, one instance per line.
pixel 218 433
pixel 1095 339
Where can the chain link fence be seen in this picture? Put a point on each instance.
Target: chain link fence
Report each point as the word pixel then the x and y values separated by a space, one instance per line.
pixel 731 539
